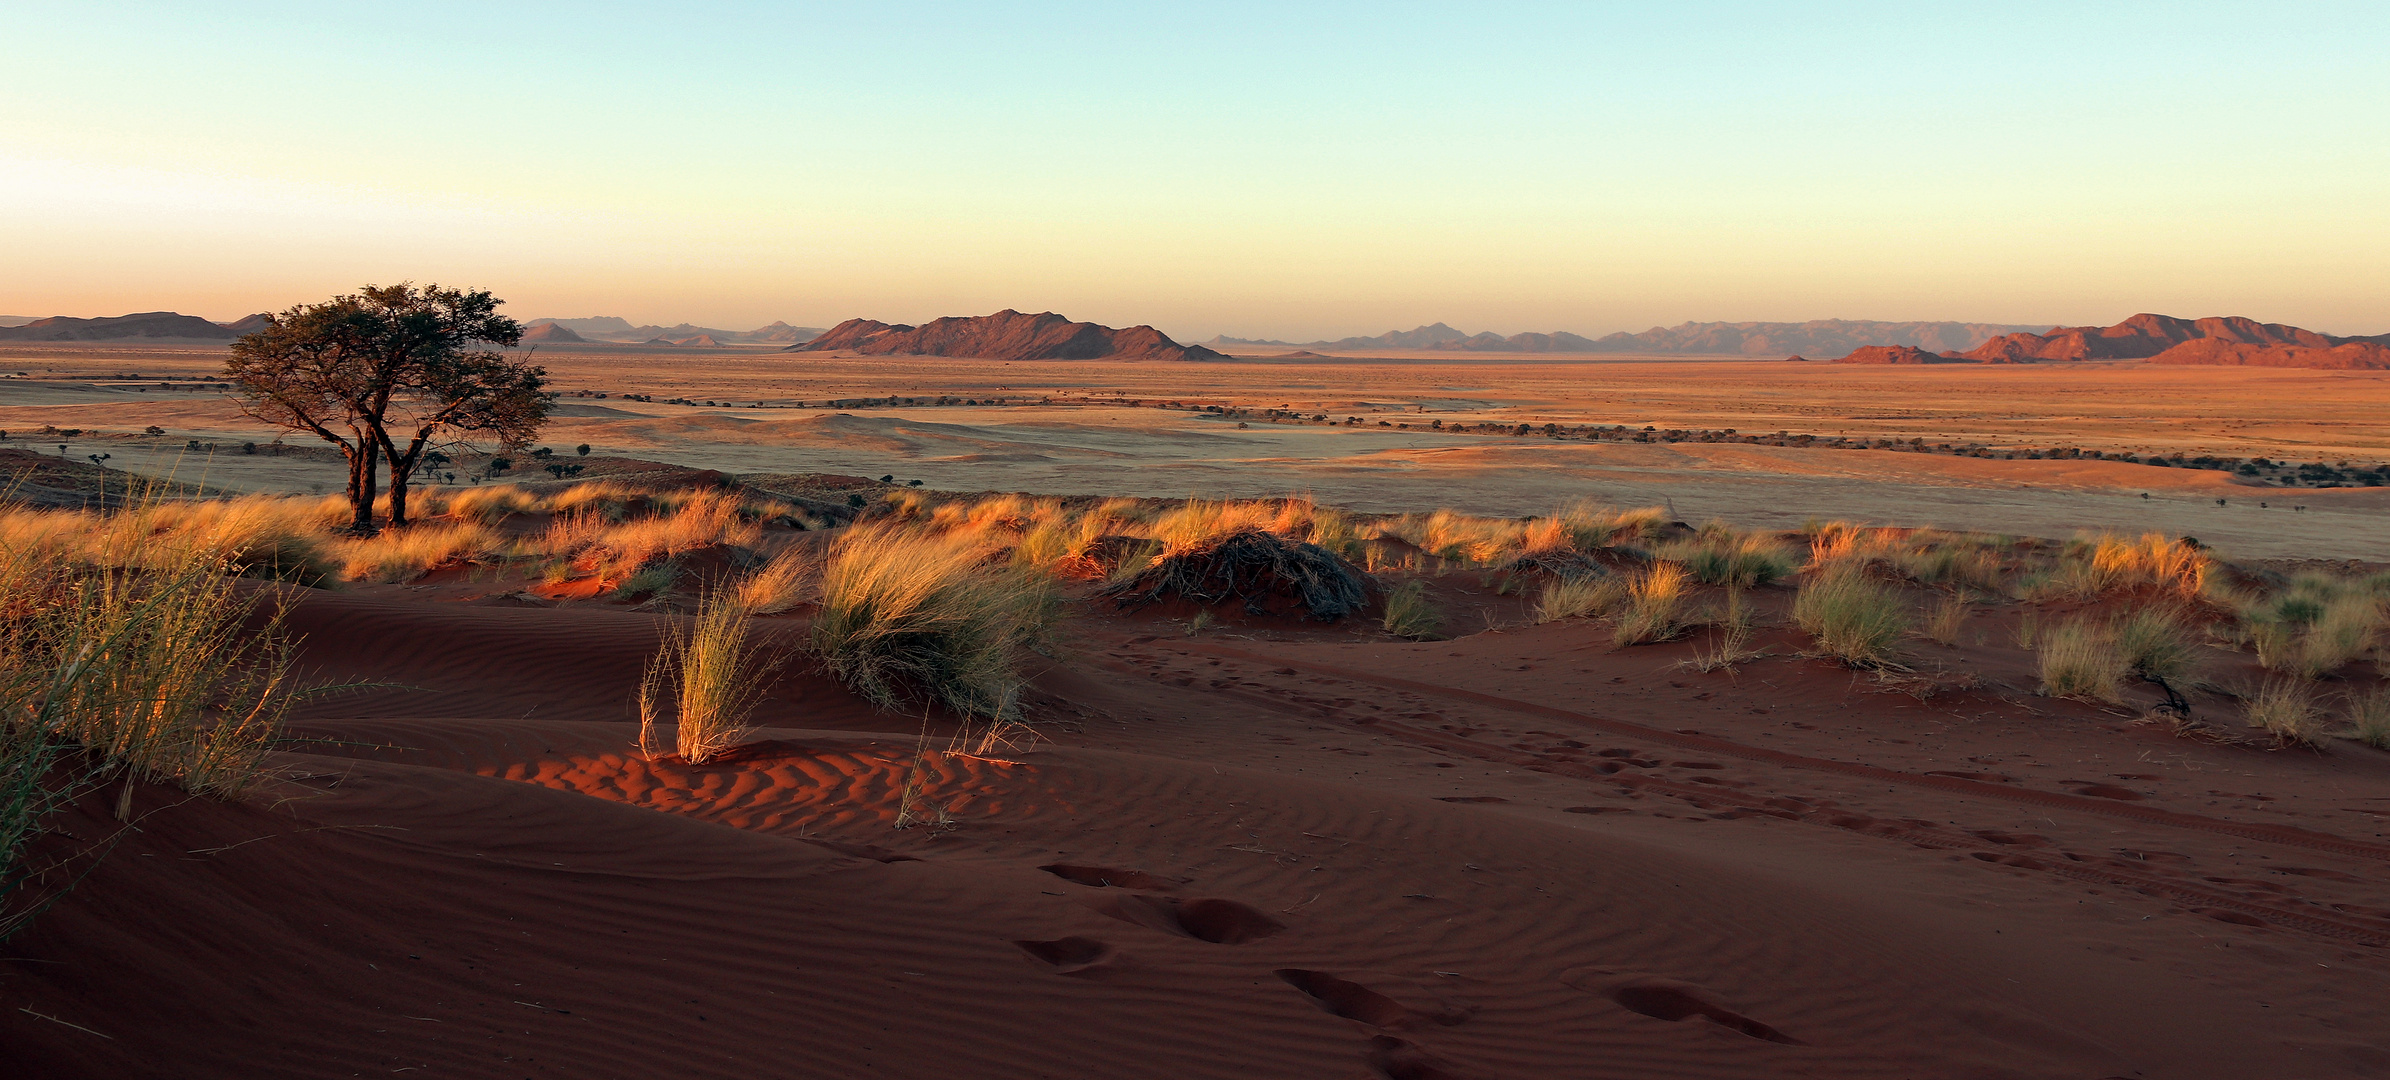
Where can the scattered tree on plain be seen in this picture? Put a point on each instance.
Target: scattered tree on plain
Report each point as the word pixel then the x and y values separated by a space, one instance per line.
pixel 389 363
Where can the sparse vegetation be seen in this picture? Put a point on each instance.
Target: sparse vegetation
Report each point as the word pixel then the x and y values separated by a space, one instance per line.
pixel 1723 556
pixel 711 676
pixel 1410 614
pixel 905 616
pixel 1851 616
pixel 1654 608
pixel 2079 659
pixel 2285 708
pixel 1574 598
pixel 2368 716
pixel 1948 617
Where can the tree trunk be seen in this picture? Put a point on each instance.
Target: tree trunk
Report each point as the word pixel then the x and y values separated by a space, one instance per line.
pixel 364 467
pixel 398 494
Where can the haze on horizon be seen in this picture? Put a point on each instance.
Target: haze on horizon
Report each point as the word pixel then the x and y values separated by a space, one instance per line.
pixel 1293 171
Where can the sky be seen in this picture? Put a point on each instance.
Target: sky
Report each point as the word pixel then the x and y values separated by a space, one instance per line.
pixel 1287 169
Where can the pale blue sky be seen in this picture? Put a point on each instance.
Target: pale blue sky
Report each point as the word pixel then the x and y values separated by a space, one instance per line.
pixel 1287 169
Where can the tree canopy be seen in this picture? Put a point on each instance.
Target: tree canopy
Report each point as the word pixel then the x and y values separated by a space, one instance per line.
pixel 387 374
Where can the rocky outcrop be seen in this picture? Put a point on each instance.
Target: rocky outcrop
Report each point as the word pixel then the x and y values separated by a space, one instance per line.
pixel 1005 335
pixel 2348 356
pixel 1896 354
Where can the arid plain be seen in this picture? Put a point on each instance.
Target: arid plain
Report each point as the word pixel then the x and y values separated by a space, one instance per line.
pixel 1068 429
pixel 1603 794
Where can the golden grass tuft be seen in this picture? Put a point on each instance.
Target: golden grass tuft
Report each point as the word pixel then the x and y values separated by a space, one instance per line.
pixel 1579 597
pixel 2079 659
pixel 905 616
pixel 1948 617
pixel 785 582
pixel 2367 713
pixel 711 675
pixel 1851 616
pixel 1723 556
pixel 2286 709
pixel 1654 608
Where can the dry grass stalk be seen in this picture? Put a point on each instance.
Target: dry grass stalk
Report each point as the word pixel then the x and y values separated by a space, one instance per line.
pixel 781 584
pixel 1948 617
pixel 1581 597
pixel 711 675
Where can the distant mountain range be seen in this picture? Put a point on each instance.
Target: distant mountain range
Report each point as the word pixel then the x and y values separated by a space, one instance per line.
pixel 1005 335
pixel 2167 339
pixel 1828 336
pixel 609 328
pixel 147 324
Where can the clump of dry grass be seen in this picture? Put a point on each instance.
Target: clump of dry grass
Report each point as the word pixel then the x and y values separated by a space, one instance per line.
pixel 712 675
pixel 1579 597
pixel 394 555
pixel 2285 708
pixel 2368 716
pixel 1948 617
pixel 1723 556
pixel 1733 643
pixel 1654 609
pixel 781 584
pixel 1410 614
pixel 2079 659
pixel 2158 644
pixel 910 616
pixel 1851 616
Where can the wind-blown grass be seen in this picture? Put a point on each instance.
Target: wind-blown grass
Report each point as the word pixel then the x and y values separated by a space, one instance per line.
pixel 909 617
pixel 1654 609
pixel 2079 659
pixel 712 675
pixel 1410 614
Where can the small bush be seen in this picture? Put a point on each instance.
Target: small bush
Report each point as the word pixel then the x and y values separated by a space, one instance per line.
pixel 1573 598
pixel 914 617
pixel 1852 617
pixel 1654 605
pixel 711 675
pixel 2157 644
pixel 2079 659
pixel 2368 715
pixel 1250 565
pixel 1410 614
pixel 2286 709
pixel 2341 633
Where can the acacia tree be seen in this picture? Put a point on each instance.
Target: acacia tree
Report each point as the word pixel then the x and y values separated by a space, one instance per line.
pixel 353 367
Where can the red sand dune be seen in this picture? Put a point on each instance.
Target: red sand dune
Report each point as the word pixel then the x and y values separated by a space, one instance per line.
pixel 1894 354
pixel 549 331
pixel 1005 335
pixel 2349 356
pixel 1291 851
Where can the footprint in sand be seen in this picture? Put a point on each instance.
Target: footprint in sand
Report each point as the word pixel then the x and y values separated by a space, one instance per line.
pixel 1101 877
pixel 1079 957
pixel 1221 922
pixel 1355 1001
pixel 1672 1000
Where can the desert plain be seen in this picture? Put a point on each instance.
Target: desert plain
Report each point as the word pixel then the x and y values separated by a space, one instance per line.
pixel 1237 842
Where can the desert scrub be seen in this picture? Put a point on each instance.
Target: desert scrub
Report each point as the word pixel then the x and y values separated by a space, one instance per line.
pixel 1948 617
pixel 2285 708
pixel 1852 617
pixel 2368 716
pixel 647 580
pixel 711 675
pixel 1722 556
pixel 1410 614
pixel 910 617
pixel 780 584
pixel 2158 644
pixel 2079 659
pixel 1654 607
pixel 1580 597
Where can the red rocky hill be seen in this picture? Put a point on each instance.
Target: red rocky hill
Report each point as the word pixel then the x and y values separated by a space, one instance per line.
pixel 1005 335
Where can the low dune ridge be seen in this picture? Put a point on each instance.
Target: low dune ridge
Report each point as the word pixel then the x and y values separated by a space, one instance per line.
pixel 1005 335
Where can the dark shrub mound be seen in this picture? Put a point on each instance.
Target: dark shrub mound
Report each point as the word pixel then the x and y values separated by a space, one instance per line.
pixel 1253 566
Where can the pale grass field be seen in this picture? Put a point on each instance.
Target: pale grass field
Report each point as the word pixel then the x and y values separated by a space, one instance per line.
pixel 1090 441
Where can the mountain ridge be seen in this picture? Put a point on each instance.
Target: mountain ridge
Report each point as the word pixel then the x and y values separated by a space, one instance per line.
pixel 1005 335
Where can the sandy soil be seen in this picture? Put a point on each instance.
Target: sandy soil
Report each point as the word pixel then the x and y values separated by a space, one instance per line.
pixel 1274 849
pixel 1090 442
